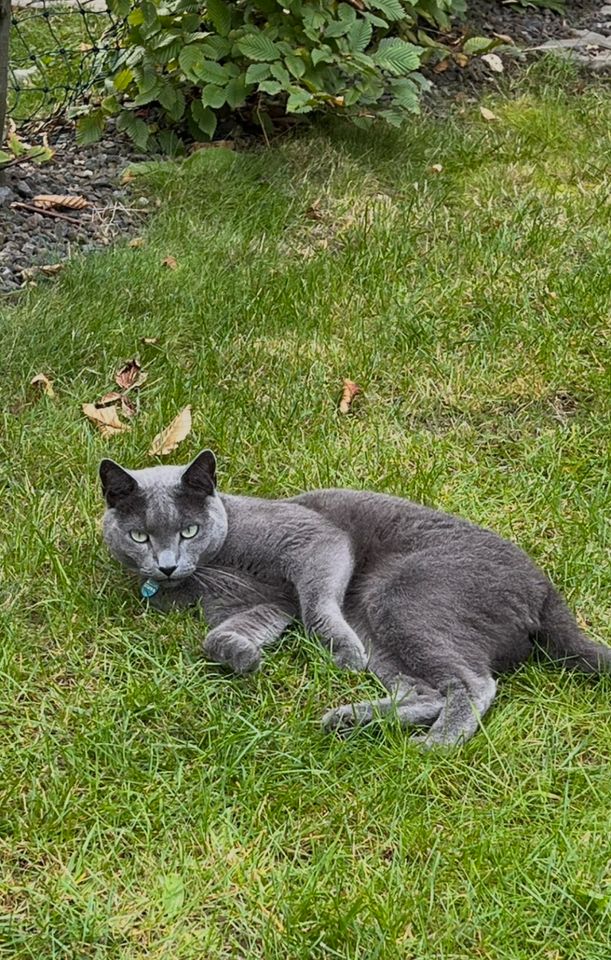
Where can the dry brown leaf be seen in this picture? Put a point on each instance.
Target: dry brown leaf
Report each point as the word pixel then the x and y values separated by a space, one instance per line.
pixel 436 168
pixel 170 263
pixel 349 392
pixel 461 59
pixel 108 399
pixel 47 269
pixel 487 114
pixel 505 38
pixel 167 441
pixel 127 407
pixel 46 385
pixel 47 200
pixel 313 213
pixel 136 243
pixel 130 375
pixel 150 340
pixel 442 66
pixel 106 419
pixel 494 62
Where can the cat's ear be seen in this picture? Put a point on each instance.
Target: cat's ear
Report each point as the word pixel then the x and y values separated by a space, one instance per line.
pixel 117 483
pixel 200 475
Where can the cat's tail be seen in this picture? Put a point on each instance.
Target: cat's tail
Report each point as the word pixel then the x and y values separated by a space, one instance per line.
pixel 564 642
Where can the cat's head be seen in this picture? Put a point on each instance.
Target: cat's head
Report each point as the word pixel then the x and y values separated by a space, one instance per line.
pixel 162 522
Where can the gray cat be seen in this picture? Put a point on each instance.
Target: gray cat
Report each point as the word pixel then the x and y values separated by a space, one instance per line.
pixel 430 603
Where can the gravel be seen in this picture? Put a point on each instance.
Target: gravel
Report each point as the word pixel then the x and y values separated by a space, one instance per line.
pixel 534 30
pixel 29 240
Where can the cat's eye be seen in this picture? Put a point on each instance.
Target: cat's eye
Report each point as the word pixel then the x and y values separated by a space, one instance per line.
pixel 138 536
pixel 189 532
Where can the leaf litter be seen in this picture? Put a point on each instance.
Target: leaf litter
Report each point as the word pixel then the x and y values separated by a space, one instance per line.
pixel 104 413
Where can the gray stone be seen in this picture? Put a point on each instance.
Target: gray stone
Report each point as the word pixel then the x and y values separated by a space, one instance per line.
pixel 589 38
pixel 6 196
pixel 24 189
pixel 601 63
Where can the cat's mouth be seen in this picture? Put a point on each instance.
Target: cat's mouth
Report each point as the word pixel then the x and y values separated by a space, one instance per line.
pixel 167 583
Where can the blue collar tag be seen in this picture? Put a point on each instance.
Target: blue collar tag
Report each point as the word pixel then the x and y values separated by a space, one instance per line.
pixel 148 589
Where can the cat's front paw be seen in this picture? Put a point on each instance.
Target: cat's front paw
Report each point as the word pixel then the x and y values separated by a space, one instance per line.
pixel 350 656
pixel 232 650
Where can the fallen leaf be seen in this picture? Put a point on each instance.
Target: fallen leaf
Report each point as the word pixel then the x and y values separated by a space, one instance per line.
pixel 47 269
pixel 46 385
pixel 47 200
pixel 436 168
pixel 167 441
pixel 136 243
pixel 505 38
pixel 442 66
pixel 150 340
pixel 106 419
pixel 461 59
pixel 130 375
pixel 487 114
pixel 494 62
pixel 170 263
pixel 108 399
pixel 313 213
pixel 348 394
pixel 127 407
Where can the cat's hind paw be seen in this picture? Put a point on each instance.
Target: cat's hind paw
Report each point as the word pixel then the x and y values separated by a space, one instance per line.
pixel 339 719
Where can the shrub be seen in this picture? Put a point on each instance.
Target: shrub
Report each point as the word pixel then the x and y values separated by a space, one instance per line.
pixel 184 64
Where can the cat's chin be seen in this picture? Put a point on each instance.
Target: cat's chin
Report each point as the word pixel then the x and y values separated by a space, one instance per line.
pixel 173 582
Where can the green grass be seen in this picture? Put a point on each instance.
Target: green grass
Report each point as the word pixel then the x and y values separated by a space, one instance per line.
pixel 152 806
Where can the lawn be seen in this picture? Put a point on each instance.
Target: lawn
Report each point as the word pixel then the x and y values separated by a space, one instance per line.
pixel 154 807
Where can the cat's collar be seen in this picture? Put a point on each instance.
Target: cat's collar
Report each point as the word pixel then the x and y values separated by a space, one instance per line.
pixel 148 589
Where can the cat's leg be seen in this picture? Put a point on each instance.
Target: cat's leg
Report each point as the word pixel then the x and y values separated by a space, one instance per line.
pixel 413 703
pixel 321 585
pixel 466 699
pixel 419 712
pixel 237 641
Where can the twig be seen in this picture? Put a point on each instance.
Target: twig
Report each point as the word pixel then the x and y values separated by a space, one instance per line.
pixel 15 161
pixel 44 211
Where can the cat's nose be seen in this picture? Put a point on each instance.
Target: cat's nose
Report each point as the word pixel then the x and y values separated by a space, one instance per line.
pixel 168 570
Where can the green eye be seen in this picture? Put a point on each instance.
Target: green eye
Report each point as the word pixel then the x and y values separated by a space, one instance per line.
pixel 189 532
pixel 138 536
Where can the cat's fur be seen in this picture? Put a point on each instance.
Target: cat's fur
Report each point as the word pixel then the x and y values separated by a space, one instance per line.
pixel 433 605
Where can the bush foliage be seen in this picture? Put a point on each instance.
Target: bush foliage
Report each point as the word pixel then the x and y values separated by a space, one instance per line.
pixel 184 64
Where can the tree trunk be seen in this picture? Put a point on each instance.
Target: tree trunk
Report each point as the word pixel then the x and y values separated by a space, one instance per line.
pixel 5 26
